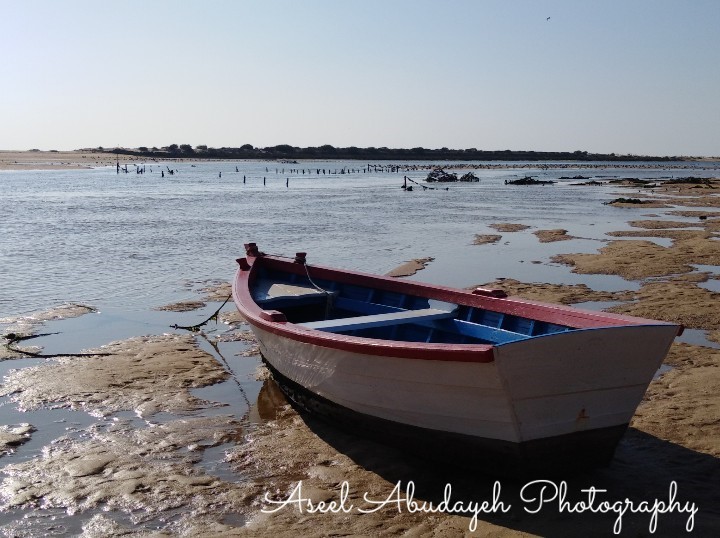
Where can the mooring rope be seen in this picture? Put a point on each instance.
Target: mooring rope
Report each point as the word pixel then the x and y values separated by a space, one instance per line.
pixel 195 328
pixel 328 295
pixel 307 272
pixel 13 338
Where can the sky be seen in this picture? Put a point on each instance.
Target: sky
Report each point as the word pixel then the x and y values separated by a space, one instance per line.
pixel 613 76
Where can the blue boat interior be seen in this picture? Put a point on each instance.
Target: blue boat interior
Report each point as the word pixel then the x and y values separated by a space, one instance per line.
pixel 367 312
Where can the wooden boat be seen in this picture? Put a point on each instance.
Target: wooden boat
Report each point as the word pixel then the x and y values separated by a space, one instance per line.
pixel 495 382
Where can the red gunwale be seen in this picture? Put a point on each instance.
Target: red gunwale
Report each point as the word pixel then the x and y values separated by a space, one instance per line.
pixel 255 315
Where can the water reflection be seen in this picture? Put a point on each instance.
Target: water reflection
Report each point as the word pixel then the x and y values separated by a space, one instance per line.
pixel 270 401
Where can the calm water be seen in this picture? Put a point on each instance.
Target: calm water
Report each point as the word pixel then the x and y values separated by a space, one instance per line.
pixel 128 242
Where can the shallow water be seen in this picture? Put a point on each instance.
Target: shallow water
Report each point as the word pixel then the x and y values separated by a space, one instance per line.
pixel 697 337
pixel 128 243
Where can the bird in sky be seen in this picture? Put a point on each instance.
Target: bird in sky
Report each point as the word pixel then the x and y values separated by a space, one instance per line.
pixel 547 19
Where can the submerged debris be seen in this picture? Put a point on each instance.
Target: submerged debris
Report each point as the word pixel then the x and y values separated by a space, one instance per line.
pixel 692 181
pixel 469 178
pixel 627 201
pixel 528 180
pixel 441 176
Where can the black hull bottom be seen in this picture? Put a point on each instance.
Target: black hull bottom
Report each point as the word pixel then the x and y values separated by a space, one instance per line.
pixel 558 456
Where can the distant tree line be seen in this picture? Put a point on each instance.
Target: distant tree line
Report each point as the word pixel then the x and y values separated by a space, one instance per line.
pixel 288 152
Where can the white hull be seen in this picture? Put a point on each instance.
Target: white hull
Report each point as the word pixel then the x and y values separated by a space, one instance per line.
pixel 537 388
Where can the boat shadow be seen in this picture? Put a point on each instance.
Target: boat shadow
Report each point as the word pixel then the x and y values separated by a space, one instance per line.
pixel 643 470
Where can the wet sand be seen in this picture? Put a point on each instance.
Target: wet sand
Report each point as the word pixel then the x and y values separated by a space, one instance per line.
pixel 409 268
pixel 548 236
pixel 163 369
pixel 149 469
pixel 555 293
pixel 509 227
pixel 14 436
pixel 640 259
pixel 504 227
pixel 59 160
pixel 486 239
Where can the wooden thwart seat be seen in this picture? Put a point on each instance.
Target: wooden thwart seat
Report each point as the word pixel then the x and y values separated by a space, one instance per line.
pixel 378 320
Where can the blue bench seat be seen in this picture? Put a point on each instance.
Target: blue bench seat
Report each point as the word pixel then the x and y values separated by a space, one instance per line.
pixel 378 320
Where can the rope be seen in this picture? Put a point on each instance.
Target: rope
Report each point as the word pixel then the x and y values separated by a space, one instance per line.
pixel 195 328
pixel 307 272
pixel 13 338
pixel 328 306
pixel 328 295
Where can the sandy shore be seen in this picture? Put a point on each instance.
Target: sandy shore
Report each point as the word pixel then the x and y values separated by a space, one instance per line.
pixel 410 267
pixel 57 160
pixel 152 472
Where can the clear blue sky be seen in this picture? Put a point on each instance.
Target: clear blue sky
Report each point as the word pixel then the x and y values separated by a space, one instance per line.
pixel 623 76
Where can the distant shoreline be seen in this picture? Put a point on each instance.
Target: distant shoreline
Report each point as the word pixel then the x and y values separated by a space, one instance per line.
pixel 287 152
pixel 85 159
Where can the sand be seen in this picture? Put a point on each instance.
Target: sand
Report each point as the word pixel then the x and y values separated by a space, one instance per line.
pixel 555 293
pixel 548 236
pixel 676 301
pixel 505 227
pixel 163 369
pixel 636 259
pixel 509 227
pixel 57 160
pixel 486 239
pixel 409 268
pixel 182 306
pixel 663 224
